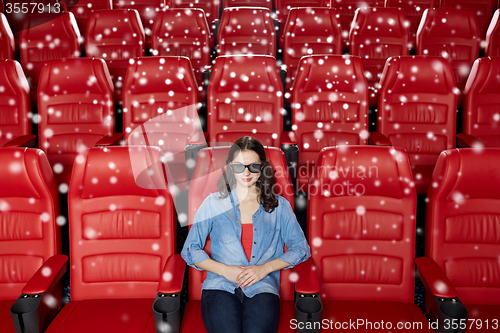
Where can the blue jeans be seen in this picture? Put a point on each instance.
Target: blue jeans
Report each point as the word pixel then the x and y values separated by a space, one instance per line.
pixel 236 313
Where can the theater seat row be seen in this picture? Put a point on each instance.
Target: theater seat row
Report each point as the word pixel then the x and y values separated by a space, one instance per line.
pixel 361 236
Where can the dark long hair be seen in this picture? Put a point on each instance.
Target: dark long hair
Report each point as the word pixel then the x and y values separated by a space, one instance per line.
pixel 266 181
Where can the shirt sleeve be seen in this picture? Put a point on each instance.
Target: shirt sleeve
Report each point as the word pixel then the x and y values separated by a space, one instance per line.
pixel 193 252
pixel 297 248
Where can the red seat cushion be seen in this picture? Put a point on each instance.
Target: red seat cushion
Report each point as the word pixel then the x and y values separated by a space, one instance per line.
pixel 105 315
pixel 193 322
pixel 5 318
pixel 483 312
pixel 375 313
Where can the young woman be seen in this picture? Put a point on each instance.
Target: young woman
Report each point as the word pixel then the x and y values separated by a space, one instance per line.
pixel 248 225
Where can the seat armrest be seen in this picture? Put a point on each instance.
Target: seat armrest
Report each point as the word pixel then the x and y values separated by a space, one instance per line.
pixel 308 306
pixel 434 279
pixel 166 307
pixel 469 141
pixel 27 140
pixel 40 300
pixel 378 139
pixel 307 278
pixel 110 140
pixel 47 276
pixel 288 138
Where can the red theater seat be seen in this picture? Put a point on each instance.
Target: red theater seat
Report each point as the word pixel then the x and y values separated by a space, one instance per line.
pixel 7 46
pixel 209 166
pixel 81 9
pixel 75 103
pixel 245 97
pixel 417 110
pixel 284 6
pixel 184 32
pixel 493 36
pixel 329 108
pixel 482 8
pixel 377 34
pixel 309 31
pixel 122 240
pixel 461 246
pixel 148 11
pixel 29 236
pixel 346 10
pixel 452 34
pixel 482 103
pixel 413 11
pixel 15 106
pixel 247 3
pixel 160 109
pixel 361 227
pixel 210 7
pixel 59 38
pixel 115 35
pixel 246 30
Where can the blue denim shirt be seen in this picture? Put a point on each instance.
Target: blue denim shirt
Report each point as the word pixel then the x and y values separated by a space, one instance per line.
pixel 220 218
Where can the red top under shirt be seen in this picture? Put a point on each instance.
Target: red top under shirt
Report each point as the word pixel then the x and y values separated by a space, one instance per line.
pixel 247 238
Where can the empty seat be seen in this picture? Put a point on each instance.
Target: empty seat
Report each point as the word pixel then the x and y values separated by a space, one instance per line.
pixel 247 3
pixel 413 11
pixel 309 31
pixel 346 10
pixel 210 7
pixel 452 34
pixel 377 34
pixel 59 38
pixel 461 246
pixel 29 235
pixel 115 35
pixel 15 106
pixel 122 238
pixel 417 110
pixel 209 166
pixel 160 108
pixel 482 102
pixel 7 44
pixel 246 30
pixel 148 10
pixel 284 6
pixel 184 32
pixel 245 97
pixel 75 103
pixel 81 9
pixel 492 47
pixel 361 228
pixel 329 108
pixel 482 8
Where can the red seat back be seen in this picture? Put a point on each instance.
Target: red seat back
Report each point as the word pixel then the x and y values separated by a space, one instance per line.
pixel 183 32
pixel 6 39
pixel 492 48
pixel 417 104
pixel 15 106
pixel 210 7
pixel 81 9
pixel 361 224
pixel 210 164
pixel 482 101
pixel 76 108
pixel 330 104
pixel 452 34
pixel 413 11
pixel 377 34
pixel 29 207
pixel 284 6
pixel 309 31
pixel 166 111
pixel 461 232
pixel 247 3
pixel 245 97
pixel 56 39
pixel 115 35
pixel 246 30
pixel 122 223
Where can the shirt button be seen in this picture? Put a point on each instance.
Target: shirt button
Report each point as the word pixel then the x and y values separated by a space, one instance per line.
pixel 255 242
pixel 255 229
pixel 254 216
pixel 253 256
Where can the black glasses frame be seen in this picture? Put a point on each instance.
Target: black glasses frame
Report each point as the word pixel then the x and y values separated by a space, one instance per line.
pixel 252 167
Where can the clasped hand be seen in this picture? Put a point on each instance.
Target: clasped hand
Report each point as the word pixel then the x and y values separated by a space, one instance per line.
pixel 246 276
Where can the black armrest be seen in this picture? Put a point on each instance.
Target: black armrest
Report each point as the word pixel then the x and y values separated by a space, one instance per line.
pixel 308 306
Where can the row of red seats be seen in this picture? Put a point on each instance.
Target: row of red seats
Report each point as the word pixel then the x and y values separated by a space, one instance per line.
pixel 417 108
pixel 123 227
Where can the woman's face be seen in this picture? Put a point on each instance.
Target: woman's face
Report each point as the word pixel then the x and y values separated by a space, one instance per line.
pixel 246 178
